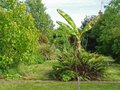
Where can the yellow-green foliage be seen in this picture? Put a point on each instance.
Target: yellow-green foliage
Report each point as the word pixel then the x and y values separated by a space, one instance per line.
pixel 18 36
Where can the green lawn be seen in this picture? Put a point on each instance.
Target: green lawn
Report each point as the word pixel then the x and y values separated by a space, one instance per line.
pixel 113 72
pixel 41 71
pixel 37 71
pixel 24 85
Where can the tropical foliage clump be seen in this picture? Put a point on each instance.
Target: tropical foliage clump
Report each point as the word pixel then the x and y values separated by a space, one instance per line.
pixel 90 67
pixel 76 62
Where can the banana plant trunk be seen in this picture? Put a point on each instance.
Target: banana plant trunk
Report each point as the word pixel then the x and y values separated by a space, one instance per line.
pixel 77 57
pixel 79 47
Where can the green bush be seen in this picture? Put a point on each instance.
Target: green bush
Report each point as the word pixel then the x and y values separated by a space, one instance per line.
pixel 49 52
pixel 18 37
pixel 90 67
pixel 67 75
pixel 40 58
pixel 12 74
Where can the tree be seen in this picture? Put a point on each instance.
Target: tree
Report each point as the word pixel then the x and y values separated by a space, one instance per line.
pixel 107 31
pixel 18 35
pixel 8 4
pixel 43 21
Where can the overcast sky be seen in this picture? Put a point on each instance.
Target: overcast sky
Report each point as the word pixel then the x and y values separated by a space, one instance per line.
pixel 77 9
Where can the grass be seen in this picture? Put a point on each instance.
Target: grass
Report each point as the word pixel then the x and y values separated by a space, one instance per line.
pixel 37 71
pixel 113 72
pixel 23 85
pixel 41 71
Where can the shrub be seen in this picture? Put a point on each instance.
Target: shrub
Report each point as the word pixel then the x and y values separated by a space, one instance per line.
pixel 18 36
pixel 49 52
pixel 90 67
pixel 40 58
pixel 67 75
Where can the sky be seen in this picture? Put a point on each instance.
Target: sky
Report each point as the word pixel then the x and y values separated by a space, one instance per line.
pixel 77 9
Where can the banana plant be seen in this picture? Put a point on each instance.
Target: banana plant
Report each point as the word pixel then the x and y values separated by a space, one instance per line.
pixel 73 30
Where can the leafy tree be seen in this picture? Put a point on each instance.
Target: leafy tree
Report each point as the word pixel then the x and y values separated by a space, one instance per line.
pixel 43 21
pixel 107 31
pixel 18 35
pixel 8 4
pixel 86 20
pixel 45 26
